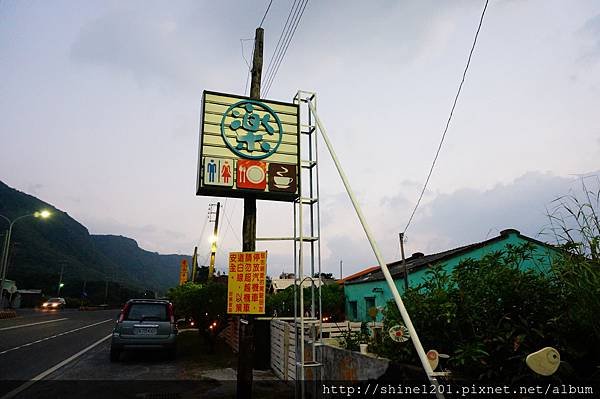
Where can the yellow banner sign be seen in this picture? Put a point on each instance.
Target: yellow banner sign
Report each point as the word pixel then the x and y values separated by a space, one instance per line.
pixel 183 272
pixel 246 287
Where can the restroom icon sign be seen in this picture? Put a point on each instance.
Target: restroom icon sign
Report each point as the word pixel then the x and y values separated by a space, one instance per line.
pixel 218 171
pixel 282 177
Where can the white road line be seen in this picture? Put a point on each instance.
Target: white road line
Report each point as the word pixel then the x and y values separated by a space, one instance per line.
pixel 51 370
pixel 32 324
pixel 54 336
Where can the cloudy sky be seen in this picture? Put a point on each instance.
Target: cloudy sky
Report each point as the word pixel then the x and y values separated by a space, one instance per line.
pixel 99 115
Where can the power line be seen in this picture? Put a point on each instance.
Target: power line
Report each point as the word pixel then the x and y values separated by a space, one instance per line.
pixel 266 12
pixel 276 69
pixel 287 34
pixel 277 46
pixel 294 11
pixel 449 117
pixel 228 219
pixel 247 63
pixel 203 229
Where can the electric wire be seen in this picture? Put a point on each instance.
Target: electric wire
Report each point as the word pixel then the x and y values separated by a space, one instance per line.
pixel 228 219
pixel 203 229
pixel 266 12
pixel 277 46
pixel 449 118
pixel 247 63
pixel 295 10
pixel 276 69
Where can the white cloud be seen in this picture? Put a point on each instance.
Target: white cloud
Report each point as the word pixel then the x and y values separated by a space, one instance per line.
pixel 447 221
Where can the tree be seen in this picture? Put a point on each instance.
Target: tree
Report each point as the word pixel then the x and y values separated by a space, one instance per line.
pixel 324 276
pixel 205 303
pixel 489 314
pixel 332 301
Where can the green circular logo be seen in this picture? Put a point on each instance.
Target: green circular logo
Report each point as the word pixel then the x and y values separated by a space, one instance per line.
pixel 251 129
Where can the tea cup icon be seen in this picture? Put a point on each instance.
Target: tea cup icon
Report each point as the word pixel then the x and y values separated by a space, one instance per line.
pixel 282 181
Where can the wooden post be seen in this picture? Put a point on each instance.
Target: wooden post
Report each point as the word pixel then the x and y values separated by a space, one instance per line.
pixel 246 340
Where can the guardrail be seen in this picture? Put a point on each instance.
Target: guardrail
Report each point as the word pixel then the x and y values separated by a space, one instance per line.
pixel 7 314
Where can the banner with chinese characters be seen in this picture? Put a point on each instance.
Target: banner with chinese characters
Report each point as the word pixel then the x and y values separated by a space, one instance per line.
pixel 248 148
pixel 246 285
pixel 183 272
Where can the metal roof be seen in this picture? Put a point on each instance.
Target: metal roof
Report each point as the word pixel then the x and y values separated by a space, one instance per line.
pixel 418 261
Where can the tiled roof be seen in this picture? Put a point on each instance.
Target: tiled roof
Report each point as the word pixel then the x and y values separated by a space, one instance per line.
pixel 356 275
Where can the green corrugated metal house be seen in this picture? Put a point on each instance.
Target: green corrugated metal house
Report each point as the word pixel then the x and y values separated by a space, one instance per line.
pixel 370 289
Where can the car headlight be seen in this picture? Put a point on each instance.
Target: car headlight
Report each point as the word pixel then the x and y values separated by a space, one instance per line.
pixel 54 305
pixel 44 304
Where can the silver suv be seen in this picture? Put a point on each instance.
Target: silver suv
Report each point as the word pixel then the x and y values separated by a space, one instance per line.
pixel 145 324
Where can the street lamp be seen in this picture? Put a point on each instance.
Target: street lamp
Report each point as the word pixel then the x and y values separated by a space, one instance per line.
pixel 44 214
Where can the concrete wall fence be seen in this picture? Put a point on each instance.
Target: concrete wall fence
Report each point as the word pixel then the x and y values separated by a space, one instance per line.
pixel 335 363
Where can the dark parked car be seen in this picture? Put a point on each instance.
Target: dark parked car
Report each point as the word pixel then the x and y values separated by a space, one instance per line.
pixel 145 324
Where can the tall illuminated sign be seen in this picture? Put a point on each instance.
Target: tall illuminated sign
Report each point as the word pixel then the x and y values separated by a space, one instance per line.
pixel 248 147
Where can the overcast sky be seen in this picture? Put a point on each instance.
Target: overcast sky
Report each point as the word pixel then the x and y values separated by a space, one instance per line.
pixel 100 100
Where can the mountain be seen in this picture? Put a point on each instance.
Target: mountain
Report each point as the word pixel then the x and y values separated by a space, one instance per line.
pixel 40 248
pixel 152 269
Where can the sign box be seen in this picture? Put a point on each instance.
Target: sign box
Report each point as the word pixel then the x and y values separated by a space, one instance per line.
pixel 248 148
pixel 246 284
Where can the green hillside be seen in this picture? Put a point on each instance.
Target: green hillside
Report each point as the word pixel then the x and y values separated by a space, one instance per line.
pixel 40 248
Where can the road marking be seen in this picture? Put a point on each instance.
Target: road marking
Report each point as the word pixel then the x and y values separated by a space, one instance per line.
pixel 32 324
pixel 54 336
pixel 51 370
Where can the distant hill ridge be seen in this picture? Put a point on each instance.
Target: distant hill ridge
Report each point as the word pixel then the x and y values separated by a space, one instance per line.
pixel 39 248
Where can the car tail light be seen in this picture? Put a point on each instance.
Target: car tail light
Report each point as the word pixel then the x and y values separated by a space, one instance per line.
pixel 123 311
pixel 170 313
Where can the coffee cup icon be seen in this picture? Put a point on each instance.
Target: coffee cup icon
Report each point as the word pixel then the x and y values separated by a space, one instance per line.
pixel 282 181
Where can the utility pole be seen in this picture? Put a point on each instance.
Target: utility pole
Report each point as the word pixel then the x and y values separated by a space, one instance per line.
pixel 341 269
pixel 213 250
pixel 2 273
pixel 246 336
pixel 403 262
pixel 83 294
pixel 60 283
pixel 194 264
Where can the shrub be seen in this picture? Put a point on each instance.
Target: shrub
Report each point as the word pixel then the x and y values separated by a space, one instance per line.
pixel 488 315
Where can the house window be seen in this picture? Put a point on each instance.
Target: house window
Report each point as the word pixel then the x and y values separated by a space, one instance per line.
pixel 353 310
pixel 369 303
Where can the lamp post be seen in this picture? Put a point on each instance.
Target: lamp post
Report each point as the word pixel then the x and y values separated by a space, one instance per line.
pixel 42 214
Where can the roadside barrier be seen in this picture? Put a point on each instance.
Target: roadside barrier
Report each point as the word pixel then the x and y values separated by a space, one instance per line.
pixel 7 314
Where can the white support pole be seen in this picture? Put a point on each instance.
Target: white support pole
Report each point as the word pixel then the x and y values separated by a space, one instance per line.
pixel 382 264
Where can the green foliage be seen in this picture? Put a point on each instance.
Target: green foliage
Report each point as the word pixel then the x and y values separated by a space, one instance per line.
pixel 352 339
pixel 332 301
pixel 324 276
pixel 575 224
pixel 205 303
pixel 488 315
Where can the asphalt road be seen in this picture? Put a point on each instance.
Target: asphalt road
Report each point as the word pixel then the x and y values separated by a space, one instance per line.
pixel 65 355
pixel 36 341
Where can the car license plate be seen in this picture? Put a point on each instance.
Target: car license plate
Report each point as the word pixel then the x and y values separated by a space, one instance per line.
pixel 144 331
